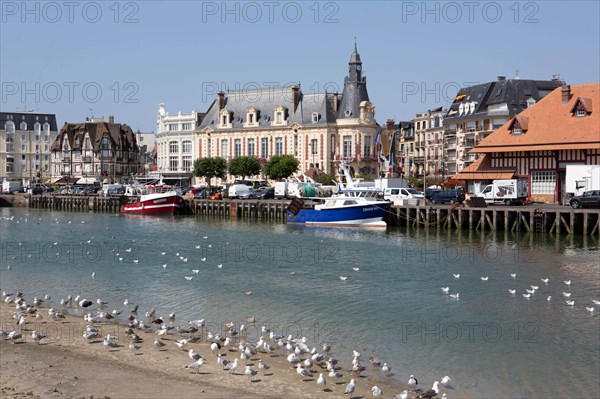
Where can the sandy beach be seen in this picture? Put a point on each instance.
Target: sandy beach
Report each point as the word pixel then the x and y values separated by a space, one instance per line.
pixel 64 365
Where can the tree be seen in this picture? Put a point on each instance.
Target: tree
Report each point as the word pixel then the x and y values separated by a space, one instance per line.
pixel 324 179
pixel 280 167
pixel 244 166
pixel 210 167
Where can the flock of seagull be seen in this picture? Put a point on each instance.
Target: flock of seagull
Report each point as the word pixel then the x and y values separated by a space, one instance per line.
pixel 307 361
pixel 528 292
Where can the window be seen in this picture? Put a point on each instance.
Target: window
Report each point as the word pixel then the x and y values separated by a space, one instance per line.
pixel 225 119
pixel 296 145
pixel 516 129
pixel 237 148
pixel 313 147
pixel 173 163
pixel 23 163
pixel 315 117
pixel 187 163
pixel 224 149
pixel 47 129
pixel 347 147
pixel 208 147
pixel 173 147
pixel 367 147
pixel 187 147
pixel 278 117
pixel 580 110
pixel 104 142
pixel 251 118
pixel 543 182
pixel 173 127
pixel 278 146
pixel 9 127
pixel 10 166
pixel 23 147
pixel 186 126
pixel 23 137
pixel 23 126
pixel 251 147
pixel 264 147
pixel 37 128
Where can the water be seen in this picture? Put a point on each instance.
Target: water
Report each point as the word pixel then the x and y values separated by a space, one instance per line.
pixel 491 343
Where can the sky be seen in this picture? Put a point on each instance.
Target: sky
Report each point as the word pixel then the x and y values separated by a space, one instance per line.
pixel 78 59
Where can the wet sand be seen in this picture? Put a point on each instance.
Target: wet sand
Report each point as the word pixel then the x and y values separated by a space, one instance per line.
pixel 63 365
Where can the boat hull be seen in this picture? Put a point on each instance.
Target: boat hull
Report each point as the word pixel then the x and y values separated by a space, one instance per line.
pixel 370 215
pixel 171 204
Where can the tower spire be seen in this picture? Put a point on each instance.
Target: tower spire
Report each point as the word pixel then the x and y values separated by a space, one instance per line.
pixel 355 49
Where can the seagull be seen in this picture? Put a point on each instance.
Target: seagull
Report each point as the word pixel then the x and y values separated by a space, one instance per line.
pixel 321 380
pixel 93 274
pixel 403 395
pixel 455 296
pixel 350 388
pixel 356 269
pixel 189 278
pixel 590 309
pixel 430 393
pixel 386 369
pixel 545 280
pixel 133 347
pixel 181 344
pixel 232 366
pixel 526 296
pixel 195 271
pixel 377 392
pixel 374 361
pixel 220 265
pixel 158 343
pixel 534 287
pixel 513 275
pixel 203 259
pixel 567 282
pixel 196 365
pixel 262 366
pixel 549 298
pixel 566 294
pixel 445 380
pixel 164 266
pixel 596 302
pixel 530 291
pixel 163 253
pixel 343 278
pixel 250 372
pixel 456 275
pixel 484 278
pixel 445 289
pixel 570 303
pixel 14 336
pixel 412 382
pixel 302 372
pixel 136 261
pixel 37 337
pixel 512 291
pixel 195 356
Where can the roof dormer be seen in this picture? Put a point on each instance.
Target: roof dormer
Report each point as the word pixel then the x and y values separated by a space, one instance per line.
pixel 519 125
pixel 582 107
pixel 251 118
pixel 225 119
pixel 279 116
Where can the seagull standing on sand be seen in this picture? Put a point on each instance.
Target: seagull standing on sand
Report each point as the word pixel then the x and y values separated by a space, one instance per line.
pixel 196 365
pixel 430 393
pixel 403 395
pixel 232 366
pixel 377 392
pixel 250 372
pixel 37 337
pixel 412 382
pixel 321 380
pixel 350 388
pixel 386 369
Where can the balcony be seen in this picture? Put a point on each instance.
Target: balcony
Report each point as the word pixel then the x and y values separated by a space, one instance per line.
pixel 86 159
pixel 450 132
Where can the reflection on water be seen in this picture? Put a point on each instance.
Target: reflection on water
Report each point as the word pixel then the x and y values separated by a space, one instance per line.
pixel 492 343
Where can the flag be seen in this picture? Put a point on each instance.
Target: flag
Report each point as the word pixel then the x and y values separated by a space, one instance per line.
pixel 392 151
pixel 377 142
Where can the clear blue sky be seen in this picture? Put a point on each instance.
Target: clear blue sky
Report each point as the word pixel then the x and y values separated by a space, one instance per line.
pixel 124 58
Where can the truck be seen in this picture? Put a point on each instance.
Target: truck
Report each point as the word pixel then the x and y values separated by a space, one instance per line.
pixel 506 191
pixel 579 179
pixel 9 187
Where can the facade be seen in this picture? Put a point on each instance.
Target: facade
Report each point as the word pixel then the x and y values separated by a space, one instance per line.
pixel 95 150
pixel 317 128
pixel 176 147
pixel 434 156
pixel 420 124
pixel 406 147
pixel 561 129
pixel 478 110
pixel 146 142
pixel 25 139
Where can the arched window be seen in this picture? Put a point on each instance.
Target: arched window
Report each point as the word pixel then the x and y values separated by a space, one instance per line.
pixel 23 125
pixel 9 127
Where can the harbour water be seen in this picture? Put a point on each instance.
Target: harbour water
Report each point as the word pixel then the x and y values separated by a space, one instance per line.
pixel 491 343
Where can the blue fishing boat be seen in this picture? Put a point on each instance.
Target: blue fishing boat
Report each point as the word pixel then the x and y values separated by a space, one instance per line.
pixel 339 211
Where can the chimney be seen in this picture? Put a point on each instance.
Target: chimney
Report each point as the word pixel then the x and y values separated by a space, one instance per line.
pixel 566 93
pixel 335 101
pixel 111 119
pixel 389 124
pixel 220 100
pixel 501 78
pixel 295 97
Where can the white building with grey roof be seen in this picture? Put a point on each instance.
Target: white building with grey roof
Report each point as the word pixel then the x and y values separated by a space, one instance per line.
pixel 317 128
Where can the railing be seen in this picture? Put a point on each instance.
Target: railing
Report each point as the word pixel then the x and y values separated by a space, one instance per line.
pixel 86 159
pixel 450 132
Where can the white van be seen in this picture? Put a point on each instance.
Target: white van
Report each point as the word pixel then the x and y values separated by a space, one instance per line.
pixel 107 187
pixel 237 190
pixel 401 194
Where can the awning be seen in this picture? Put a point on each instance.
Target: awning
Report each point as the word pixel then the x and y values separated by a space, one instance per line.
pixel 536 147
pixel 484 175
pixel 66 180
pixel 88 180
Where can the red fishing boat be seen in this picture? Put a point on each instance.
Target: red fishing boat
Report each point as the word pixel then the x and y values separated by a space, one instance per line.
pixel 159 200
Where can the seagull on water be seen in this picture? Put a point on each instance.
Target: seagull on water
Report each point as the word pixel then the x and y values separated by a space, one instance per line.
pixel 513 275
pixel 545 280
pixel 527 296
pixel 484 278
pixel 570 303
pixel 456 275
pixel 567 282
pixel 356 269
pixel 195 271
pixel 566 294
pixel 189 278
pixel 445 380
pixel 596 302
pixel 93 274
pixel 549 298
pixel 445 290
pixel 590 309
pixel 343 278
pixel 512 291
pixel 534 287
pixel 220 265
pixel 455 296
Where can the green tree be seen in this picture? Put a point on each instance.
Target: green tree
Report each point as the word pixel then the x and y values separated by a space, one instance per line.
pixel 244 166
pixel 324 178
pixel 210 167
pixel 281 167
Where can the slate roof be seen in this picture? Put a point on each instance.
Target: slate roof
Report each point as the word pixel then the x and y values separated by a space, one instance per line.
pixel 513 92
pixel 264 102
pixel 30 118
pixel 551 125
pixel 121 136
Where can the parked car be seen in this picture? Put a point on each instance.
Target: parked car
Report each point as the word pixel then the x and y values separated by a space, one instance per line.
pixel 264 193
pixel 430 191
pixel 116 191
pixel 587 199
pixel 447 196
pixel 247 194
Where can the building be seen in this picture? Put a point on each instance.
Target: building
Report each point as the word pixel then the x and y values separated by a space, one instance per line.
pixel 176 147
pixel 146 142
pixel 317 128
pixel 25 139
pixel 434 155
pixel 95 150
pixel 478 110
pixel 420 124
pixel 406 148
pixel 561 129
